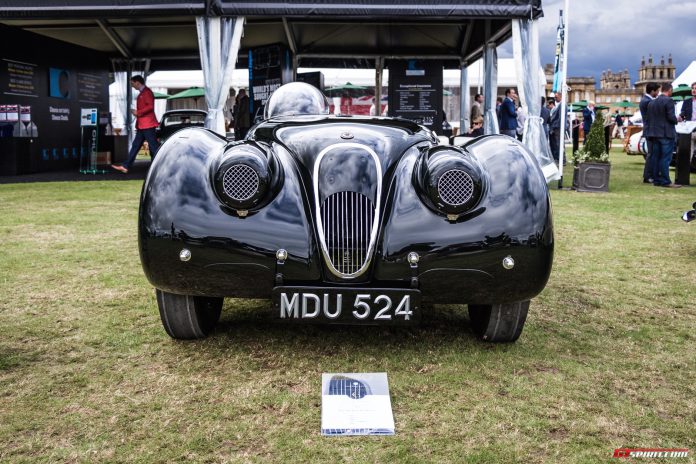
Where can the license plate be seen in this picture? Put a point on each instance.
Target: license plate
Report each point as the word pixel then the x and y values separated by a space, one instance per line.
pixel 370 306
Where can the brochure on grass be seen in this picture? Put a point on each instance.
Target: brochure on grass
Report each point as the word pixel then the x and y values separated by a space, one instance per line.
pixel 356 404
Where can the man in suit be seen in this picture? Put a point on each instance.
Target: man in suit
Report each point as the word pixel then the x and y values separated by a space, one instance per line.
pixel 588 117
pixel 650 94
pixel 242 118
pixel 688 113
pixel 545 115
pixel 476 107
pixel 555 128
pixel 508 114
pixel 662 121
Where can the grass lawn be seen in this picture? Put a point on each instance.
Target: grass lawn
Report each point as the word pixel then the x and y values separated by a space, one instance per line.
pixel 87 373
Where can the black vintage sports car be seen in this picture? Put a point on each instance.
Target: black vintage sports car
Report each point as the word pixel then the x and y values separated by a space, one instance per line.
pixel 344 220
pixel 175 120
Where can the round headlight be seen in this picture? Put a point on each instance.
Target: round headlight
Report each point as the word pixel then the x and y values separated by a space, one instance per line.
pixel 450 180
pixel 243 177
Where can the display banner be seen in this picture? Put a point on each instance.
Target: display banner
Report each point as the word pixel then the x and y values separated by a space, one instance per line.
pixel 415 92
pixel 18 78
pixel 269 68
pixel 557 71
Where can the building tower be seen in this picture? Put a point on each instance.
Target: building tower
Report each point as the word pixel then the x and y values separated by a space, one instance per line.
pixel 653 72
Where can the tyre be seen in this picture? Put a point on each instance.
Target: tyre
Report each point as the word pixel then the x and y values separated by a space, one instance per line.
pixel 186 317
pixel 499 323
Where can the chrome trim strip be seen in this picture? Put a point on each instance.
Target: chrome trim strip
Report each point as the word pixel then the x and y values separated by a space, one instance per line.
pixel 344 233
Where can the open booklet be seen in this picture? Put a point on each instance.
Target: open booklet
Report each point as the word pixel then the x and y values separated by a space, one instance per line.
pixel 356 404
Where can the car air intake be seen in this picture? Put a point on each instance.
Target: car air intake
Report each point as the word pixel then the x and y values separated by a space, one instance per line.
pixel 455 187
pixel 347 219
pixel 240 182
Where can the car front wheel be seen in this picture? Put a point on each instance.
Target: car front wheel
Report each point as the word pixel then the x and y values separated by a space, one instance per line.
pixel 499 323
pixel 186 317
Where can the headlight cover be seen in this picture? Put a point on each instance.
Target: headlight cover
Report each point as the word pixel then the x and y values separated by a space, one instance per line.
pixel 449 181
pixel 246 177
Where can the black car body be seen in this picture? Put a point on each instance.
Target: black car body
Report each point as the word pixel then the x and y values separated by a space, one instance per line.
pixel 344 220
pixel 175 120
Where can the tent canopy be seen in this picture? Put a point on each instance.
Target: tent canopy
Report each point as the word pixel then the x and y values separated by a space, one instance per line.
pixel 320 33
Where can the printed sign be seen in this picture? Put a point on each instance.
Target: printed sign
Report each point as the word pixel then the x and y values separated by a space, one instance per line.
pixel 88 117
pixel 356 404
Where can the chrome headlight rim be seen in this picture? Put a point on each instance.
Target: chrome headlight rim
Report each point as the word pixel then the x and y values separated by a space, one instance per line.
pixel 245 177
pixel 442 164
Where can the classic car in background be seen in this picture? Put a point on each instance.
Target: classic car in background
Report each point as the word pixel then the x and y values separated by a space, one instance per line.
pixel 175 120
pixel 344 220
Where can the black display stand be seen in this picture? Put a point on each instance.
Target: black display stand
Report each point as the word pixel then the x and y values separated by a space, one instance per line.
pixel 18 156
pixel 682 164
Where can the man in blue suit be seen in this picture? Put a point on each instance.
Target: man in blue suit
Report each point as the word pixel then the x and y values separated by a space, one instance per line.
pixel 650 94
pixel 508 114
pixel 688 113
pixel 662 121
pixel 588 117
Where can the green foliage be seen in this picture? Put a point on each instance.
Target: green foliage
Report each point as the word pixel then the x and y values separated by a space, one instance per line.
pixel 595 150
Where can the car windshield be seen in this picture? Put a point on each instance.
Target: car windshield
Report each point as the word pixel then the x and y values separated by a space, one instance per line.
pixel 176 119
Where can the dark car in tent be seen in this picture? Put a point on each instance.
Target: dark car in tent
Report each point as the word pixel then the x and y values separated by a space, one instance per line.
pixel 175 120
pixel 344 220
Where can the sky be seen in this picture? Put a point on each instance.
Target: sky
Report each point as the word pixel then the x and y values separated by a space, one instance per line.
pixel 615 34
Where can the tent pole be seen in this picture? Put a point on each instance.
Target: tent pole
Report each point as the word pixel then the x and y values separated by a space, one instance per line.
pixel 564 93
pixel 379 65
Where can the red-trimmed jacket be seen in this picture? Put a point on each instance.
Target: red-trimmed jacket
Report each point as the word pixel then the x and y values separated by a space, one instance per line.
pixel 145 110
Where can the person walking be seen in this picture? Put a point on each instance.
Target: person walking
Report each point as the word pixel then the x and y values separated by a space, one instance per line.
pixel 508 114
pixel 145 125
pixel 618 126
pixel 662 121
pixel 688 113
pixel 651 90
pixel 241 116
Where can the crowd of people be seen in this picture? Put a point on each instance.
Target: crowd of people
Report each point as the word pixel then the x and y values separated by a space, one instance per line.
pixel 657 110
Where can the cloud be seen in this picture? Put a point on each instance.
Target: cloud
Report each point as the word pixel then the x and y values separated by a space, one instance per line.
pixel 615 34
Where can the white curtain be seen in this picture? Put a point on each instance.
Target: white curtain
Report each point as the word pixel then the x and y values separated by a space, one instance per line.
pixel 525 44
pixel 218 43
pixel 490 89
pixel 464 100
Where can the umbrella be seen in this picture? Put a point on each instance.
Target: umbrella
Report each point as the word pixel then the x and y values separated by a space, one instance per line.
pixel 601 107
pixel 159 96
pixel 193 92
pixel 625 104
pixel 446 93
pixel 677 98
pixel 348 88
pixel 681 90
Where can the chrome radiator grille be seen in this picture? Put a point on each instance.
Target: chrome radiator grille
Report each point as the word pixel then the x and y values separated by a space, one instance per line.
pixel 347 219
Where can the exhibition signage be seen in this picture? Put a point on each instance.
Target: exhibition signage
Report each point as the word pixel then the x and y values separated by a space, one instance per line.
pixel 89 141
pixel 415 92
pixel 269 68
pixel 356 404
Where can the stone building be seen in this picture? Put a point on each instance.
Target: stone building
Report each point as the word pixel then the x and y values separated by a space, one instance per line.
pixel 616 87
pixel 653 72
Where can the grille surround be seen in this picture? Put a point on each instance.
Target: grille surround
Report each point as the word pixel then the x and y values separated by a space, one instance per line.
pixel 240 182
pixel 370 234
pixel 455 187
